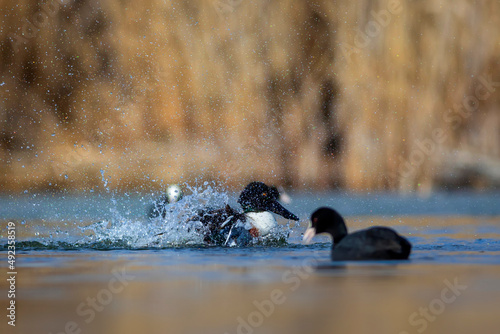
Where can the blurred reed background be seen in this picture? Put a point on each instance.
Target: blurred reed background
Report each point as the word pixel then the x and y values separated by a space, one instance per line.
pixel 363 95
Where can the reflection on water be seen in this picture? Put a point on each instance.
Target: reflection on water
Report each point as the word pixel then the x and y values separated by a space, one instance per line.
pixel 253 291
pixel 66 283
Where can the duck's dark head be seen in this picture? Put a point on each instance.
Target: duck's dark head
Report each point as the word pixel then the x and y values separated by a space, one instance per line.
pixel 258 197
pixel 326 220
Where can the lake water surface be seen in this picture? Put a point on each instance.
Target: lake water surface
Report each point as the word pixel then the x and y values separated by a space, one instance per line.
pixel 92 264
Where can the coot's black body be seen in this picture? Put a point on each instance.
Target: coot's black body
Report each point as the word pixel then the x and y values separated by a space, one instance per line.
pixel 375 243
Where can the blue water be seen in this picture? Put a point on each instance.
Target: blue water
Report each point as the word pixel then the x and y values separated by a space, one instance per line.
pixel 454 227
pixel 69 248
pixel 97 206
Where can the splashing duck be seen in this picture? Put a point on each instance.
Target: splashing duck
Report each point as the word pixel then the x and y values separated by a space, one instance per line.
pixel 229 227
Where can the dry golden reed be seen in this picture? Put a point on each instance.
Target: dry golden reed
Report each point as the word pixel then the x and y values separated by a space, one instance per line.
pixel 362 94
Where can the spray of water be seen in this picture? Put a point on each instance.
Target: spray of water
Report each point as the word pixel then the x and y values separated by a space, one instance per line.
pixel 179 226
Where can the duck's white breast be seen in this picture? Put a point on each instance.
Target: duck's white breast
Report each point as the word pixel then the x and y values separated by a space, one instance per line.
pixel 263 221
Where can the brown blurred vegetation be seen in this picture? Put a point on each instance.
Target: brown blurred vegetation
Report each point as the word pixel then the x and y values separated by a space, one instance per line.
pixel 286 92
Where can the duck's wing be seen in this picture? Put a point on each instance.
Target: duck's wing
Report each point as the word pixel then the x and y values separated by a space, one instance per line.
pixel 213 221
pixel 376 243
pixel 217 224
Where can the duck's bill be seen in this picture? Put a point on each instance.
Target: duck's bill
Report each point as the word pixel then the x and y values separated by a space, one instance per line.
pixel 280 210
pixel 308 235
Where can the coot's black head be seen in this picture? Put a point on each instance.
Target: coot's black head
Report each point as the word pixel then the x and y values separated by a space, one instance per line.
pixel 326 220
pixel 258 197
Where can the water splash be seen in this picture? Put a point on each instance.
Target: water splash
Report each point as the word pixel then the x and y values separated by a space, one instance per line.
pixel 178 228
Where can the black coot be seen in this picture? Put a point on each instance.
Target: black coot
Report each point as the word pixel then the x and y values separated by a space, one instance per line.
pixel 374 243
